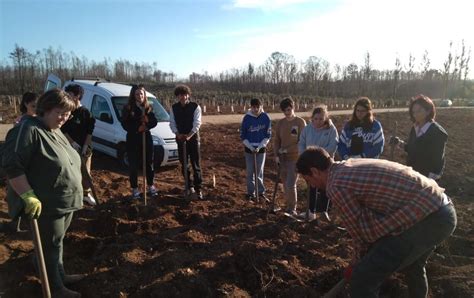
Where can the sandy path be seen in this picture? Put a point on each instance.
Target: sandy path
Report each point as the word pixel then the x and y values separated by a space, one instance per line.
pixel 234 118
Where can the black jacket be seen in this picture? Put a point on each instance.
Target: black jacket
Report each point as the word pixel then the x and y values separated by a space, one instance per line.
pixel 426 153
pixel 132 119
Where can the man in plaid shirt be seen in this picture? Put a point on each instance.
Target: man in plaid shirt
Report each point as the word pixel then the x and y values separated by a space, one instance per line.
pixel 395 215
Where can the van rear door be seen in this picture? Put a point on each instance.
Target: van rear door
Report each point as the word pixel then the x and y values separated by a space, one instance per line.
pixel 52 82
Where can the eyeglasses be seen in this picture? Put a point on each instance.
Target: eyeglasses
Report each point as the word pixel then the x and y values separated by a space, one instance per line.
pixel 66 115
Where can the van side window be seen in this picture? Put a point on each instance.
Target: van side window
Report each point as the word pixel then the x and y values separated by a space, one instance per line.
pixel 100 109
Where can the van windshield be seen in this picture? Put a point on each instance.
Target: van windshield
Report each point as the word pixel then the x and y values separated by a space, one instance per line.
pixel 160 112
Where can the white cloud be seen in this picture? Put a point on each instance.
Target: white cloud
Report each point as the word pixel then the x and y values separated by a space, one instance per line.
pixel 385 29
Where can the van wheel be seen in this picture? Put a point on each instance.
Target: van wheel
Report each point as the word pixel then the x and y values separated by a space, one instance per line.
pixel 122 156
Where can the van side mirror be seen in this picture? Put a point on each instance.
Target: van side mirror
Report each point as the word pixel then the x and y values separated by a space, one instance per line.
pixel 106 117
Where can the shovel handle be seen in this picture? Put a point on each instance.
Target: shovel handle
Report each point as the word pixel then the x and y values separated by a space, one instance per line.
pixel 185 168
pixel 89 177
pixel 255 167
pixel 144 165
pixel 40 259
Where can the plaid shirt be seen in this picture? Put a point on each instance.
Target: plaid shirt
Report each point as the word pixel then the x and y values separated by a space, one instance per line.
pixel 379 197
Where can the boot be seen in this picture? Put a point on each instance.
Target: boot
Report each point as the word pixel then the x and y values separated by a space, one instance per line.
pixel 65 293
pixel 70 279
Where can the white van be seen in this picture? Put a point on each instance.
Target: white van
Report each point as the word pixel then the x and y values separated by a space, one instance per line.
pixel 105 100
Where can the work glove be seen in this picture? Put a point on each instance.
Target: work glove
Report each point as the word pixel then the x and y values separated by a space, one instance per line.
pixel 282 151
pixel 348 273
pixel 32 204
pixel 76 146
pixel 277 160
pixel 394 140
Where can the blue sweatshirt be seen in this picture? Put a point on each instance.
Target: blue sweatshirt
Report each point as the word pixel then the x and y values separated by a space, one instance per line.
pixel 371 141
pixel 325 137
pixel 257 130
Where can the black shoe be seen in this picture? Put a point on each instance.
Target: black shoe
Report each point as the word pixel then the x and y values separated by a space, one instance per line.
pixel 250 197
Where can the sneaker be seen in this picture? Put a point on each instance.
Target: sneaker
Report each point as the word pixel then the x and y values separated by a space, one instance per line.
pixel 89 199
pixel 311 216
pixel 198 194
pixel 135 193
pixel 250 197
pixel 291 212
pixel 264 197
pixel 307 215
pixel 152 191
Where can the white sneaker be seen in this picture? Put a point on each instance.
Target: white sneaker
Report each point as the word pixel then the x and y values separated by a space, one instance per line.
pixel 152 190
pixel 307 215
pixel 135 193
pixel 89 199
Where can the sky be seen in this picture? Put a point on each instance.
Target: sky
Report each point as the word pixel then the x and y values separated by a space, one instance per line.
pixel 186 36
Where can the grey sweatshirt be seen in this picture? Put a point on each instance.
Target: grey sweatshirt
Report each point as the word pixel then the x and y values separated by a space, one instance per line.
pixel 326 138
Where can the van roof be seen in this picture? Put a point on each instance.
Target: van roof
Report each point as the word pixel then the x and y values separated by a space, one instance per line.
pixel 114 89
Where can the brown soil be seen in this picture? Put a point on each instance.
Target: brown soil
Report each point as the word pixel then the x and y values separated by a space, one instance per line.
pixel 224 246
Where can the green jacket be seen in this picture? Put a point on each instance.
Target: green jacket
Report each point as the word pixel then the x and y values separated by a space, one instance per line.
pixel 52 167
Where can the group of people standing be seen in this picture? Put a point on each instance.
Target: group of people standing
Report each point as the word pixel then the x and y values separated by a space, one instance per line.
pixel 385 206
pixel 47 157
pixel 395 214
pixel 361 137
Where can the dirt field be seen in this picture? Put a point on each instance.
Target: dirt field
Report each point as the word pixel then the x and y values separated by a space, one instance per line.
pixel 223 246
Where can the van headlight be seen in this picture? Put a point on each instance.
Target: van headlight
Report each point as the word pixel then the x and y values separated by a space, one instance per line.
pixel 157 140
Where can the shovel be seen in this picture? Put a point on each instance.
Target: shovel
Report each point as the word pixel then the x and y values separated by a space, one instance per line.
pixel 392 146
pixel 144 165
pixel 40 258
pixel 185 171
pixel 272 207
pixel 89 178
pixel 256 176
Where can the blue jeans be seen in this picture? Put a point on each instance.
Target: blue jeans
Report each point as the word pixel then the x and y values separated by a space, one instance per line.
pixel 408 252
pixel 249 163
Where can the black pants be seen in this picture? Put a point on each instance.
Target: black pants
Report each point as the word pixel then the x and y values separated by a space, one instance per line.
pixel 318 201
pixel 135 159
pixel 193 148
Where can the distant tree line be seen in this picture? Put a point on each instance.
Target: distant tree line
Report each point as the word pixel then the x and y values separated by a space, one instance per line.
pixel 280 74
pixel 29 70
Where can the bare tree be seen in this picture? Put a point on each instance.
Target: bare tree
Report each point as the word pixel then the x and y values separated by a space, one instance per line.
pixel 447 70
